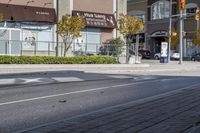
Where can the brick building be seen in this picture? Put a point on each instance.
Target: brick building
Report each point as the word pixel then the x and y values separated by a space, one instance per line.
pixel 101 20
pixel 155 14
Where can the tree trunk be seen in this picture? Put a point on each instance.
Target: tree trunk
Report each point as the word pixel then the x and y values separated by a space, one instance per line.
pixel 66 48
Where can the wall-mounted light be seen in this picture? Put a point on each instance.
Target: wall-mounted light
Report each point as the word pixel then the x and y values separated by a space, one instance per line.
pixel 8 3
pixel 28 2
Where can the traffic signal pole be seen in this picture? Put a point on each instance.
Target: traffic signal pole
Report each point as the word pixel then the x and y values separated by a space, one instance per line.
pixel 181 38
pixel 197 17
pixel 170 30
pixel 181 8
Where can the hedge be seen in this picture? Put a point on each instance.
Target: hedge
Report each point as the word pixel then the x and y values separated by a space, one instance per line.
pixel 57 60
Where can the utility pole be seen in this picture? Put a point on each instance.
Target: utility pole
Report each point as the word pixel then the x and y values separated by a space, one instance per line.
pixel 117 14
pixel 137 48
pixel 181 38
pixel 181 8
pixel 57 37
pixel 170 29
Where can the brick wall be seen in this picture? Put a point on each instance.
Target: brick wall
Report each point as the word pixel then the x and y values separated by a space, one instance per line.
pixel 37 3
pixel 100 6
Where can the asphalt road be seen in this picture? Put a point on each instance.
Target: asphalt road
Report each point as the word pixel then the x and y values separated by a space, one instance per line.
pixel 32 104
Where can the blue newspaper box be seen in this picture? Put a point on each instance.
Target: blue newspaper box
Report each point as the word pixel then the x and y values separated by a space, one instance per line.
pixel 163 59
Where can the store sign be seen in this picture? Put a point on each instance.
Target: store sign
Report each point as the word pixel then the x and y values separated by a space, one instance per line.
pixel 42 13
pixel 132 38
pixel 159 33
pixel 20 13
pixel 99 20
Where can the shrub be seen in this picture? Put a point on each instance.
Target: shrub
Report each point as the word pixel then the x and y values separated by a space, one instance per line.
pixel 57 60
pixel 112 47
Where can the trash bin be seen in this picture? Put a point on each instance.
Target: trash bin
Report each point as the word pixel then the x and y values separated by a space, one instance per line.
pixel 163 59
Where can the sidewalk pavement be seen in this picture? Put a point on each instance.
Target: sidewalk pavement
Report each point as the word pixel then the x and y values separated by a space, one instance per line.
pixel 100 68
pixel 172 112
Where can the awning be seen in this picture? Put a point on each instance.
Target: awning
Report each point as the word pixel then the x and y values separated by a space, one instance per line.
pixel 97 20
pixel 19 13
pixel 132 38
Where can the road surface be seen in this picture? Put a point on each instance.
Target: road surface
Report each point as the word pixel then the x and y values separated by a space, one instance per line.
pixel 30 101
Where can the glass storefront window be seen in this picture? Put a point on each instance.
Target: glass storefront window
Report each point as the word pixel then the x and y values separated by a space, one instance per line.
pixel 160 10
pixel 89 41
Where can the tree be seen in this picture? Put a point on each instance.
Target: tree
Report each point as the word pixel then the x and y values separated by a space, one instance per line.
pixel 1 17
pixel 174 39
pixel 112 47
pixel 5 31
pixel 196 38
pixel 69 28
pixel 128 25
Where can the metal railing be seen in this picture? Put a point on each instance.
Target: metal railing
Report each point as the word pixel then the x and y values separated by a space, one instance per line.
pixel 46 48
pixel 28 48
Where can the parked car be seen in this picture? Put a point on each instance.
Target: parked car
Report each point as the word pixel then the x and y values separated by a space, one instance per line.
pixel 146 54
pixel 195 57
pixel 157 56
pixel 174 55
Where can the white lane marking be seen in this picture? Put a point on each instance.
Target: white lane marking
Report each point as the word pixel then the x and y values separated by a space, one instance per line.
pixel 75 92
pixel 31 80
pixel 66 79
pixel 7 81
pixel 12 81
pixel 135 78
pixel 120 76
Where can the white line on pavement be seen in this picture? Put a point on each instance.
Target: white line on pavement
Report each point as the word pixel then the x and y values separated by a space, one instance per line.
pixel 120 76
pixel 75 92
pixel 7 81
pixel 66 79
pixel 12 81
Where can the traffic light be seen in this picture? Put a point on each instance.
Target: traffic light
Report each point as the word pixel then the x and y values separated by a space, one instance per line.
pixel 182 4
pixel 197 15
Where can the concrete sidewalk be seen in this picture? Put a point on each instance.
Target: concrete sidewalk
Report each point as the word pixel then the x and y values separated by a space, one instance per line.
pixel 173 112
pixel 100 68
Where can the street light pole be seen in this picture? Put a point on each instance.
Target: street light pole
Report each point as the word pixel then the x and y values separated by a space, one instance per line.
pixel 57 37
pixel 117 13
pixel 137 48
pixel 181 38
pixel 170 29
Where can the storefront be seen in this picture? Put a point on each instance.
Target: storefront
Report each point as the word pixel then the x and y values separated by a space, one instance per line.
pixel 26 30
pixel 97 25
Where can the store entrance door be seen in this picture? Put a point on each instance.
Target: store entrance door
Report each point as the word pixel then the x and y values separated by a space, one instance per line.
pixel 10 41
pixel 157 44
pixel 15 44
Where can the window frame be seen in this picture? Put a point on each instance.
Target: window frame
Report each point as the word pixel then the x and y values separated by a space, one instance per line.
pixel 158 3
